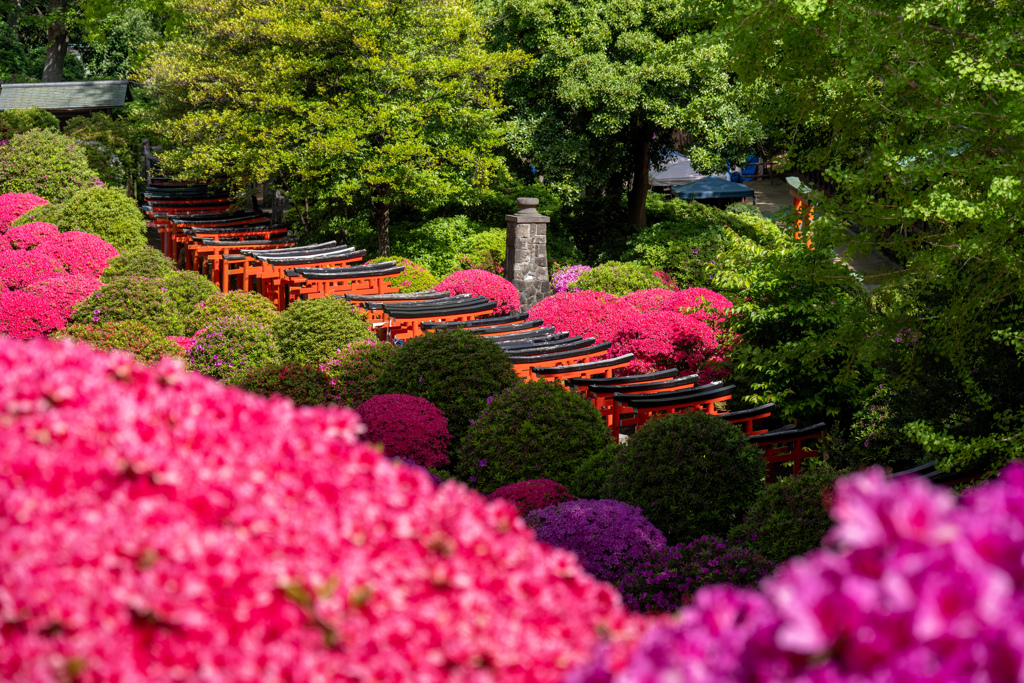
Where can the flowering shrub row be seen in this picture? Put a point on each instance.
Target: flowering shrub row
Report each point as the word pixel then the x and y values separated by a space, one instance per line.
pixel 482 283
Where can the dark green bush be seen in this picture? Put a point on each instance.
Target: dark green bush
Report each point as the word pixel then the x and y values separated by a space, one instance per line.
pixel 355 369
pixel 188 289
pixel 305 385
pixel 619 278
pixel 791 516
pixel 742 208
pixel 591 480
pixel 247 304
pixel 536 430
pixel 143 299
pixel 106 212
pixel 144 262
pixel 453 370
pixel 231 347
pixel 312 331
pixel 692 474
pixel 124 335
pixel 683 250
pixel 45 163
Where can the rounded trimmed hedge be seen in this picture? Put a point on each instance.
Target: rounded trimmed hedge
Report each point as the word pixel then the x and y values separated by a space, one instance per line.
pixel 125 335
pixel 355 370
pixel 618 278
pixel 107 212
pixel 591 479
pixel 144 262
pixel 144 299
pixel 311 331
pixel 410 427
pixel 305 385
pixel 188 289
pixel 532 494
pixel 14 206
pixel 231 347
pixel 455 371
pixel 536 430
pixel 246 304
pixel 692 474
pixel 44 163
pixel 30 235
pixel 416 278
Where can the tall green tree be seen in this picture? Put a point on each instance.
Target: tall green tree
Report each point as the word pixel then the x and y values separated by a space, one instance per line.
pixel 612 82
pixel 390 100
pixel 910 114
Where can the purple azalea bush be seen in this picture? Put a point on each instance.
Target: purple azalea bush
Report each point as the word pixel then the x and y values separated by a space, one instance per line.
pixel 608 536
pixel 920 587
pixel 564 278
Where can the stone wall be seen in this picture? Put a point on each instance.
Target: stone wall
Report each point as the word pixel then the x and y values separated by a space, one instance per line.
pixel 526 252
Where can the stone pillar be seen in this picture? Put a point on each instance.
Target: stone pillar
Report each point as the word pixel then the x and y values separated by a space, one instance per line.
pixel 526 252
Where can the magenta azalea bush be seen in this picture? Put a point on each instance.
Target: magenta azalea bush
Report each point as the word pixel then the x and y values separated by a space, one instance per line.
pixel 586 313
pixel 609 537
pixel 24 315
pixel 183 343
pixel 482 283
pixel 563 278
pixel 14 204
pixel 532 494
pixel 921 586
pixel 80 253
pixel 31 235
pixel 663 339
pixel 410 427
pixel 156 525
pixel 64 292
pixel 20 268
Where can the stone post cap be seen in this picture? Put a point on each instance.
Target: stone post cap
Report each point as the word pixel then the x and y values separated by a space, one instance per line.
pixel 527 205
pixel 527 212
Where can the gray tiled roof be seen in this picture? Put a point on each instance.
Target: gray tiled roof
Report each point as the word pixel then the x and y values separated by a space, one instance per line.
pixel 63 96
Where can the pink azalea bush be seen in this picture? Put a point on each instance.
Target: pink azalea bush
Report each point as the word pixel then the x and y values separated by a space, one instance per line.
pixel 563 278
pixel 81 253
pixel 532 494
pixel 31 235
pixel 410 427
pixel 650 300
pixel 701 303
pixel 24 315
pixel 156 525
pixel 482 283
pixel 64 292
pixel 587 313
pixel 184 343
pixel 920 587
pixel 663 339
pixel 14 204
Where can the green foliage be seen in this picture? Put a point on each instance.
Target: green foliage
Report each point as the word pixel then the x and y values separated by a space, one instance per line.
pixel 438 243
pixel 188 289
pixel 14 121
pixel 789 517
pixel 590 481
pixel 416 278
pixel 619 278
pixel 692 474
pixel 309 332
pixel 742 208
pixel 484 251
pixel 142 299
pixel 111 145
pixel 45 213
pixel 536 430
pixel 685 251
pixel 45 163
pixel 455 371
pixel 142 262
pixel 125 335
pixel 106 212
pixel 305 385
pixel 245 304
pixel 231 347
pixel 355 370
pixel 120 36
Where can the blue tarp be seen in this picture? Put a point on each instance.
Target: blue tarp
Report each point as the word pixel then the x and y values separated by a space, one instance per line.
pixel 712 188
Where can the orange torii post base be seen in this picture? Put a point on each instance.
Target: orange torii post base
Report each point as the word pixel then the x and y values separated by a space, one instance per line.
pixel 803 209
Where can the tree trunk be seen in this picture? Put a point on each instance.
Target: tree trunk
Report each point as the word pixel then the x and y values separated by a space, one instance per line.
pixel 57 46
pixel 637 198
pixel 382 221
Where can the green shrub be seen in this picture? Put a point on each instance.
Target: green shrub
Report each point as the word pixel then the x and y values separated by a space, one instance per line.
pixel 143 299
pixel 305 385
pixel 106 212
pixel 618 278
pixel 416 278
pixel 536 430
pixel 438 244
pixel 455 371
pixel 231 347
pixel 111 146
pixel 125 335
pixel 247 304
pixel 144 262
pixel 45 213
pixel 791 516
pixel 484 251
pixel 591 480
pixel 692 474
pixel 44 163
pixel 742 208
pixel 188 289
pixel 697 216
pixel 311 331
pixel 685 251
pixel 355 369
pixel 24 120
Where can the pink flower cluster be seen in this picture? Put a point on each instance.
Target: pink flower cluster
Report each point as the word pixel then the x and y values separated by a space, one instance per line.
pixel 14 204
pixel 563 279
pixel 532 494
pixel 920 587
pixel 185 343
pixel 482 283
pixel 157 525
pixel 673 329
pixel 410 427
pixel 44 274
